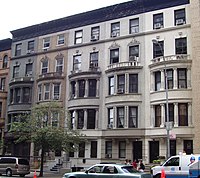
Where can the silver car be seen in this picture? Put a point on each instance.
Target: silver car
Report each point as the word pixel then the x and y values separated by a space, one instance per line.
pixel 110 171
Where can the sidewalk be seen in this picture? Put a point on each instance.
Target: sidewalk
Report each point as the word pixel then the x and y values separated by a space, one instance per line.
pixel 46 175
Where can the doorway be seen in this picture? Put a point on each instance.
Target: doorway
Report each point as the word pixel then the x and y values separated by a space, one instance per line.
pixel 137 150
pixel 153 150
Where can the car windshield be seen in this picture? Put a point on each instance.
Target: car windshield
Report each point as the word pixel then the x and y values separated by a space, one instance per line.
pixel 129 169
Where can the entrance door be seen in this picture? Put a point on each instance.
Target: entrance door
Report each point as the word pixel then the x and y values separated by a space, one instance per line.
pixel 153 150
pixel 188 146
pixel 172 147
pixel 137 150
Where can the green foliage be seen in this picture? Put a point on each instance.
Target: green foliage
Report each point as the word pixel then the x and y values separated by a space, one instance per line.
pixel 32 128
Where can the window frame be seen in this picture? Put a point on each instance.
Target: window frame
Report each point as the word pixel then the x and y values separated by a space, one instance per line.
pixel 60 39
pixel 134 26
pixel 114 55
pixel 158 21
pixel 181 45
pixel 179 17
pixel 115 29
pixel 46 42
pixel 120 117
pixel 78 37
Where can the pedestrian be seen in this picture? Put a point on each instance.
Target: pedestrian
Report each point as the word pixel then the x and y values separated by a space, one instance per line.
pixel 141 166
pixel 134 163
pixel 126 162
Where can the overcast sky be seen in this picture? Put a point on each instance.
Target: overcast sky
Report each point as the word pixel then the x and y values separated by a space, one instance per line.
pixel 15 14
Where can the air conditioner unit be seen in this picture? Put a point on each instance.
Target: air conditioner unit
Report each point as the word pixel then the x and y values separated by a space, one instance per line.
pixel 133 58
pixel 29 51
pixel 157 25
pixel 179 21
pixel 108 155
pixel 120 90
pixel 94 65
pixel 114 34
pixel 56 97
pixel 94 38
pixel 110 126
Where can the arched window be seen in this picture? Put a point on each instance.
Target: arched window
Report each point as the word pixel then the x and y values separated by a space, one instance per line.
pixel 5 62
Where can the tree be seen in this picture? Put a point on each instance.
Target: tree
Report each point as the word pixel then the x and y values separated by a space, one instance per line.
pixel 42 130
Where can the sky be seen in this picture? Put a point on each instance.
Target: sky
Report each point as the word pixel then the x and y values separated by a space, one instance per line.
pixel 16 14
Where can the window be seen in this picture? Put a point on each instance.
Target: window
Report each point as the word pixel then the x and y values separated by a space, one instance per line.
pixel 5 62
pixel 39 92
pixel 55 118
pixel 181 45
pixel 80 116
pixel 173 162
pixel 158 49
pixel 133 52
pixel 120 117
pixel 134 26
pixel 11 96
pixel 1 109
pixel 78 37
pixel 182 78
pixel 115 29
pixel 110 118
pixel 59 65
pixel 95 32
pixel 91 118
pixel 179 17
pixel 157 115
pixel 93 149
pixel 18 48
pixel 171 112
pixel 158 21
pixel 46 91
pixel 81 151
pixel 133 117
pixel 26 95
pixel 92 87
pixel 45 119
pixel 114 56
pixel 3 84
pixel 29 69
pixel 60 39
pixel 76 62
pixel 133 83
pixel 120 84
pixel 170 78
pixel 56 91
pixel 81 84
pixel 72 119
pixel 73 89
pixel 17 95
pixel 30 46
pixel 183 114
pixel 111 85
pixel 122 149
pixel 15 71
pixel 108 149
pixel 45 64
pixel 46 42
pixel 157 80
pixel 94 59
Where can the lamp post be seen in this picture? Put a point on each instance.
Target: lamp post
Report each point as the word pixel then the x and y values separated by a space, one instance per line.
pixel 167 104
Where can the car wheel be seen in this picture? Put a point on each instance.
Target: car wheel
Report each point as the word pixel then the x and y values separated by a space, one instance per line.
pixel 9 172
pixel 157 176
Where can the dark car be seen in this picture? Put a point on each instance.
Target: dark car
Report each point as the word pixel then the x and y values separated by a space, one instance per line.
pixel 110 171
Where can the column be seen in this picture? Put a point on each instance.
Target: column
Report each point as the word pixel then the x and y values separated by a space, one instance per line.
pixel 175 78
pixel 126 120
pixel 126 89
pixel 175 114
pixel 152 117
pixel 114 117
pixel 97 119
pixel 189 78
pixel 86 88
pixel 76 89
pixel 75 120
pixel 162 115
pixel 190 123
pixel 152 82
pixel 85 119
pixel 97 87
pixel 162 86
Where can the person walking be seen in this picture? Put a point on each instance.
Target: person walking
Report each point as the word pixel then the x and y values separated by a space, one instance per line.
pixel 141 166
pixel 134 164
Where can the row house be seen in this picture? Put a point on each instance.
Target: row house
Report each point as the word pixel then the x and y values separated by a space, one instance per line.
pixel 5 55
pixel 105 68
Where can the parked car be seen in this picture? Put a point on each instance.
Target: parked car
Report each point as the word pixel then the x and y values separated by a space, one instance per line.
pixel 14 166
pixel 110 171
